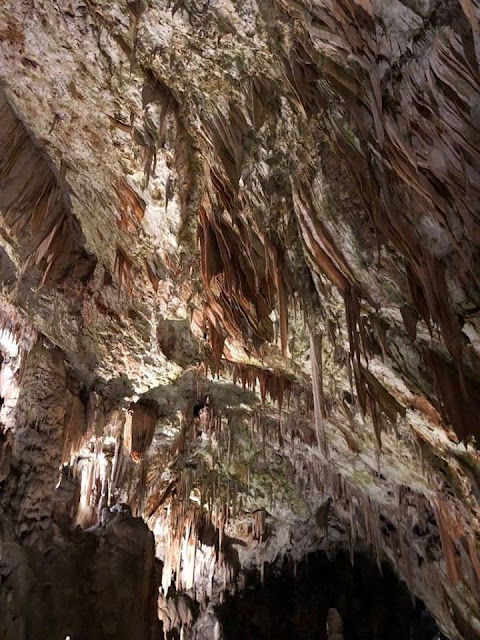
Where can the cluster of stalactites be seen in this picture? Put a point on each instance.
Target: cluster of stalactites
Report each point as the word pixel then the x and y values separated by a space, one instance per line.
pixel 275 384
pixel 192 526
pixel 196 509
pixel 33 203
pixel 392 530
pixel 99 448
pixel 242 270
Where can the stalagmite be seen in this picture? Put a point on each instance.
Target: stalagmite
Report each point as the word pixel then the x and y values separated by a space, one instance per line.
pixel 334 625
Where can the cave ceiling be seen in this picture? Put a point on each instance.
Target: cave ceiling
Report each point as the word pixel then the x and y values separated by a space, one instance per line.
pixel 240 285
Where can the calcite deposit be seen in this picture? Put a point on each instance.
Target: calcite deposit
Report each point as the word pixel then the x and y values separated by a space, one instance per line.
pixel 239 307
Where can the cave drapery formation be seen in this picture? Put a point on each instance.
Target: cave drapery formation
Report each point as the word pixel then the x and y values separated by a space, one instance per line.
pixel 240 297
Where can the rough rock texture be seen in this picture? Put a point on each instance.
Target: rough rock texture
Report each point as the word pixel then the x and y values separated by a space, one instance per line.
pixel 100 584
pixel 240 285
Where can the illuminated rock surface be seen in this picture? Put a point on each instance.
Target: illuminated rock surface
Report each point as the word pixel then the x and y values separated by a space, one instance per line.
pixel 239 300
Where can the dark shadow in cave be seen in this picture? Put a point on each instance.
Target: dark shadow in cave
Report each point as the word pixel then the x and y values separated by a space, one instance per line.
pixel 293 606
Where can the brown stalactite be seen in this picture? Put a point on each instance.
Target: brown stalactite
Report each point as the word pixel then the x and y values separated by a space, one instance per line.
pixel 34 203
pixel 317 386
pixel 458 395
pixel 282 299
pixel 75 426
pixel 123 266
pixel 143 423
pixel 446 530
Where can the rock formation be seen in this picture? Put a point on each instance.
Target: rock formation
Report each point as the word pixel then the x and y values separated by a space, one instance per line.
pixel 239 306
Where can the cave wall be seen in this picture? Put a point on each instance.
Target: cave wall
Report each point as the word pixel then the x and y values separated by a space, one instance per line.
pixel 57 581
pixel 239 286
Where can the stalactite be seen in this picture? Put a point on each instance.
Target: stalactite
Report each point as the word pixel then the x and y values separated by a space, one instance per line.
pixel 282 300
pixel 365 177
pixel 132 208
pixel 95 413
pixel 374 534
pixel 263 441
pixel 473 552
pixel 321 518
pixel 217 341
pixel 410 319
pixel 378 401
pixel 88 470
pixel 406 553
pixel 445 528
pixel 372 407
pixel 372 395
pixel 352 534
pixel 321 250
pixel 75 427
pixel 317 387
pixel 439 304
pixel 119 463
pixel 142 426
pixel 275 384
pixel 258 525
pixel 418 297
pixel 352 313
pixel 240 302
pixel 152 276
pixel 123 267
pixel 459 396
pixel 34 203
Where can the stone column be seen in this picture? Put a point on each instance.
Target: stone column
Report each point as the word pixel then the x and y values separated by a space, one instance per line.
pixel 37 434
